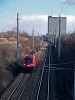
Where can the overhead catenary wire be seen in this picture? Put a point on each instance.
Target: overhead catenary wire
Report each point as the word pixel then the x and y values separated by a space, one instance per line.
pixel 3 28
pixel 7 16
pixel 4 22
pixel 65 7
pixel 70 2
pixel 4 4
pixel 59 37
pixel 12 10
pixel 66 10
pixel 25 25
pixel 29 26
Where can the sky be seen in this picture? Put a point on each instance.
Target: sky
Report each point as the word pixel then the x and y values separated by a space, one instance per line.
pixel 34 14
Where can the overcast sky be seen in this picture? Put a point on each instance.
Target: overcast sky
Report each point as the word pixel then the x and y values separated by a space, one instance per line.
pixel 34 13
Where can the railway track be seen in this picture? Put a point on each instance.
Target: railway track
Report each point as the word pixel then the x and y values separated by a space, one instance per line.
pixel 26 86
pixel 15 92
pixel 31 90
pixel 43 86
pixel 13 85
pixel 44 83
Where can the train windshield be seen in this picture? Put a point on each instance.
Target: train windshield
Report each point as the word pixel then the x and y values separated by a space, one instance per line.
pixel 29 60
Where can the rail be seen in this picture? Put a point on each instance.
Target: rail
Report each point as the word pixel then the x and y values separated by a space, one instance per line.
pixel 23 83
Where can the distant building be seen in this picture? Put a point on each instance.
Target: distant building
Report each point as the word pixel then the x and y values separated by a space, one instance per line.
pixel 53 26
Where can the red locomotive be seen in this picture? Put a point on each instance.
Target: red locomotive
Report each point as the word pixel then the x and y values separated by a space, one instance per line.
pixel 31 60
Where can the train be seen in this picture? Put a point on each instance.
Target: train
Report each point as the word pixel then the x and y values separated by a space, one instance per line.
pixel 30 60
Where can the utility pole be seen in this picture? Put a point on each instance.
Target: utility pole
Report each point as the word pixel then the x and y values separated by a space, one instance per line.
pixel 42 38
pixel 74 82
pixel 38 34
pixel 59 39
pixel 33 38
pixel 55 38
pixel 17 57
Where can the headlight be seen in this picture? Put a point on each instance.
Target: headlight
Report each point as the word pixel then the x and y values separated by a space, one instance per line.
pixel 33 64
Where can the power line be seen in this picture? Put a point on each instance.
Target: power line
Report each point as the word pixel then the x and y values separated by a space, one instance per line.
pixel 62 8
pixel 28 25
pixel 6 28
pixel 4 15
pixel 18 57
pixel 66 10
pixel 7 16
pixel 10 8
pixel 25 25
